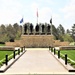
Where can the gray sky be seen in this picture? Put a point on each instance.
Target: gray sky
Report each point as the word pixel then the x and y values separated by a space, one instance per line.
pixel 62 11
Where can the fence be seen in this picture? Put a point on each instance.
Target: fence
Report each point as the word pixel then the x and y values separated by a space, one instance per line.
pixel 12 56
pixel 60 55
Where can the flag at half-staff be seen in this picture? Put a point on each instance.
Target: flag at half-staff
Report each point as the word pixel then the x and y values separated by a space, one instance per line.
pixel 21 22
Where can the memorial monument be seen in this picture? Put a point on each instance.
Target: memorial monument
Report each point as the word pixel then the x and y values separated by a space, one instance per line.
pixel 35 38
pixel 37 29
pixel 43 30
pixel 31 29
pixel 48 29
pixel 25 29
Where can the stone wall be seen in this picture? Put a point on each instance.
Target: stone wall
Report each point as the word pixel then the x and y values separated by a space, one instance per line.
pixel 59 43
pixel 33 41
pixel 56 43
pixel 64 43
pixel 37 41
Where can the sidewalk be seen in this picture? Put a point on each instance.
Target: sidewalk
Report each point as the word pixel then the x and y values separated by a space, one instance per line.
pixel 36 62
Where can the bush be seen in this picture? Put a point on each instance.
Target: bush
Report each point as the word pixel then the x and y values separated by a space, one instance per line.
pixel 2 42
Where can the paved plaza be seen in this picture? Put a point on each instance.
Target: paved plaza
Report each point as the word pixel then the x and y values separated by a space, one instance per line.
pixel 36 61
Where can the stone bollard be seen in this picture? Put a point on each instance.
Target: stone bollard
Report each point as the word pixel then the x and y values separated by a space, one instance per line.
pixel 54 51
pixel 49 48
pixel 18 51
pixel 65 59
pixel 24 48
pixel 58 53
pixel 14 54
pixel 6 61
pixel 21 49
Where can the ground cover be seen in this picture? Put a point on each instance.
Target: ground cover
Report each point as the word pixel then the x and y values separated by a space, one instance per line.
pixel 2 44
pixel 3 53
pixel 70 53
pixel 2 56
pixel 70 58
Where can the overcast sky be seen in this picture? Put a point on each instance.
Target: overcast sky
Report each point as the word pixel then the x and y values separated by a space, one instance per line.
pixel 62 11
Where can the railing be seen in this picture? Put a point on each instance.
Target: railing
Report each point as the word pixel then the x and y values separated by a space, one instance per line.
pixel 12 56
pixel 60 55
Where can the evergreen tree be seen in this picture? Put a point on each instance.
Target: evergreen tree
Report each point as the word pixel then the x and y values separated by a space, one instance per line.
pixel 73 32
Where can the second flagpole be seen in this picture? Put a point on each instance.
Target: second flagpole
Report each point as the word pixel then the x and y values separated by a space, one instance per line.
pixel 37 15
pixel 23 26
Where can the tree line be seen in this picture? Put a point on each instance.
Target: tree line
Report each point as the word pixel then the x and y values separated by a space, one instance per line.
pixel 12 32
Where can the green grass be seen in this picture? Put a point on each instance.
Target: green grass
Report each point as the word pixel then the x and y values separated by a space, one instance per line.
pixel 2 44
pixel 2 56
pixel 3 53
pixel 70 53
pixel 71 56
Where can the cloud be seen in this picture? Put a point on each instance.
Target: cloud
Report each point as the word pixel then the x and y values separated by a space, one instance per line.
pixel 12 11
pixel 56 19
pixel 69 14
pixel 69 10
pixel 9 11
pixel 45 14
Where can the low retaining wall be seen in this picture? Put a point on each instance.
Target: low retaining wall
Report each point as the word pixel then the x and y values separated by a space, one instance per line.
pixel 37 41
pixel 64 43
pixel 33 41
pixel 59 43
pixel 56 43
pixel 67 47
pixel 7 48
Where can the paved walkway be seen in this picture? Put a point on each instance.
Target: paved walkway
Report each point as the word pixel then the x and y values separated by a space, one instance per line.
pixel 36 62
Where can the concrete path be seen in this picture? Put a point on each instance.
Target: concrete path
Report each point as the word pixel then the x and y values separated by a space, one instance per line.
pixel 36 62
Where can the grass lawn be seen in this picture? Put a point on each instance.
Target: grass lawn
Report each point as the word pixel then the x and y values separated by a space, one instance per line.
pixel 2 56
pixel 3 53
pixel 70 53
pixel 2 44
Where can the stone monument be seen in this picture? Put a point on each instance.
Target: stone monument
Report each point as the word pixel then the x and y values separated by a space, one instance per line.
pixel 33 38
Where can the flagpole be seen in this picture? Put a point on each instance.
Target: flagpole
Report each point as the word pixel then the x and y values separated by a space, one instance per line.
pixel 22 21
pixel 23 28
pixel 51 25
pixel 51 28
pixel 37 15
pixel 37 20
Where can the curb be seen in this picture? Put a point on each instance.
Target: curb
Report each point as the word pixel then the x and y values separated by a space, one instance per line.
pixel 9 65
pixel 62 62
